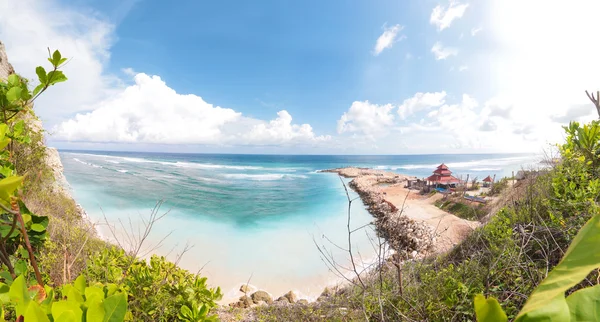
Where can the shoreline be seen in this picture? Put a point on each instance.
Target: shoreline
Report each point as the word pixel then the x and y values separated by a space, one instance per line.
pixel 378 200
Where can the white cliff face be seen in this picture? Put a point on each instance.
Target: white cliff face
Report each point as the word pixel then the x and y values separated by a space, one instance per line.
pixel 60 184
pixel 5 68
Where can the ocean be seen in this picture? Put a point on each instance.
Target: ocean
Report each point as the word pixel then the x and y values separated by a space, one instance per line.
pixel 256 218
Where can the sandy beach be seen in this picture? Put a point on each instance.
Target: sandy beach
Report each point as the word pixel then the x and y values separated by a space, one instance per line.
pixel 448 229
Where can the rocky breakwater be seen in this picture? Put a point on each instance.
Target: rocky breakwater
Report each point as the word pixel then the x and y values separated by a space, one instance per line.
pixel 409 238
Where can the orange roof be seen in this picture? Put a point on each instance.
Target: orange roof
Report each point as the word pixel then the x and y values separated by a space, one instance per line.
pixel 487 179
pixel 442 166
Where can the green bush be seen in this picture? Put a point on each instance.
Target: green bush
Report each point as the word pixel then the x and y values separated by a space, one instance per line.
pixel 158 290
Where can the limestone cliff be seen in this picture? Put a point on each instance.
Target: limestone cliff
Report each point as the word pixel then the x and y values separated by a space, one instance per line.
pixel 52 159
pixel 5 67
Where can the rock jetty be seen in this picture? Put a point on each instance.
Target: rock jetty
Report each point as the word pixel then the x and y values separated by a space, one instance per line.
pixel 409 238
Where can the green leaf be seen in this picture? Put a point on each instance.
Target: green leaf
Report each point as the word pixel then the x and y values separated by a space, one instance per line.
pixel 18 128
pixel 8 186
pixel 67 316
pixel 80 284
pixel 115 307
pixel 95 311
pixel 3 130
pixel 584 304
pixel 13 80
pixel 38 88
pixel 4 142
pixel 548 299
pixel 61 307
pixel 4 297
pixel 20 267
pixel 34 313
pixel 93 292
pixel 56 76
pixel 41 72
pixel 37 227
pixel 74 296
pixel 13 94
pixel 56 58
pixel 62 61
pixel 488 310
pixel 19 295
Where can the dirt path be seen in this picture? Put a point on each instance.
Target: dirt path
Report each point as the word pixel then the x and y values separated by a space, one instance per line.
pixel 449 228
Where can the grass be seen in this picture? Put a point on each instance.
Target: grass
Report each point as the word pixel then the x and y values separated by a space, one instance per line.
pixel 462 209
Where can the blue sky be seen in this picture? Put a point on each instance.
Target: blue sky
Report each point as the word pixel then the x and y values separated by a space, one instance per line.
pixel 385 77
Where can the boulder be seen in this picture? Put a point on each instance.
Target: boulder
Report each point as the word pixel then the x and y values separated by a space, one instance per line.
pixel 303 302
pixel 283 299
pixel 290 296
pixel 244 288
pixel 262 296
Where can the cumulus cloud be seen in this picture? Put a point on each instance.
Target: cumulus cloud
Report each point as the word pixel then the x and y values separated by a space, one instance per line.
pixel 574 113
pixel 366 118
pixel 387 38
pixel 28 27
pixel 151 112
pixel 421 101
pixel 442 17
pixel 440 52
pixel 281 131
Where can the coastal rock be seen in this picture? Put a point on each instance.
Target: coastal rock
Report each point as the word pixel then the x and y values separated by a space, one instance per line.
pixel 244 302
pixel 290 296
pixel 244 288
pixel 262 296
pixel 302 302
pixel 283 299
pixel 5 67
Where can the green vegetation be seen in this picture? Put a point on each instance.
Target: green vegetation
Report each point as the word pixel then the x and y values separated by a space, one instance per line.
pixel 45 243
pixel 465 210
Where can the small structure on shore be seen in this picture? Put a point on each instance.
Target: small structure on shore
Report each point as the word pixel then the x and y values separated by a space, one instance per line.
pixel 487 182
pixel 443 176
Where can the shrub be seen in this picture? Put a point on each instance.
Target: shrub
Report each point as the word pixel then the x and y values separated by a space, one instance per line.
pixel 158 290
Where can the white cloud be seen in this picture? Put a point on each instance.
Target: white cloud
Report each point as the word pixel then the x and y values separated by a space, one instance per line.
pixel 543 69
pixel 475 31
pixel 442 52
pixel 366 118
pixel 443 17
pixel 463 68
pixel 387 39
pixel 28 27
pixel 151 112
pixel 281 131
pixel 419 102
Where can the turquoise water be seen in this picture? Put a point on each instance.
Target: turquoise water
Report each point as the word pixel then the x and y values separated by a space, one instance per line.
pixel 247 215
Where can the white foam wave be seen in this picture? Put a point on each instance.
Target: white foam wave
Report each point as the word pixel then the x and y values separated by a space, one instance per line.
pixel 89 164
pixel 263 177
pixel 475 165
pixel 213 166
pixel 122 171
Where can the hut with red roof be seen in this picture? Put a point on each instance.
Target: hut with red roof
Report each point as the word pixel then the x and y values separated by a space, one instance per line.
pixel 487 181
pixel 443 176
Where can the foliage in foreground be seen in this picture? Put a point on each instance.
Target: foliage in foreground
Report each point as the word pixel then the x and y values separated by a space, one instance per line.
pixel 122 288
pixel 548 301
pixel 159 290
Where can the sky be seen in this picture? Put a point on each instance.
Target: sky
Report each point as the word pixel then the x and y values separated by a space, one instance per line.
pixel 309 77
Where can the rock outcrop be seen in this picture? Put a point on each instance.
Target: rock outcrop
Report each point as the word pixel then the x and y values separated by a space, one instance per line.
pixel 5 67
